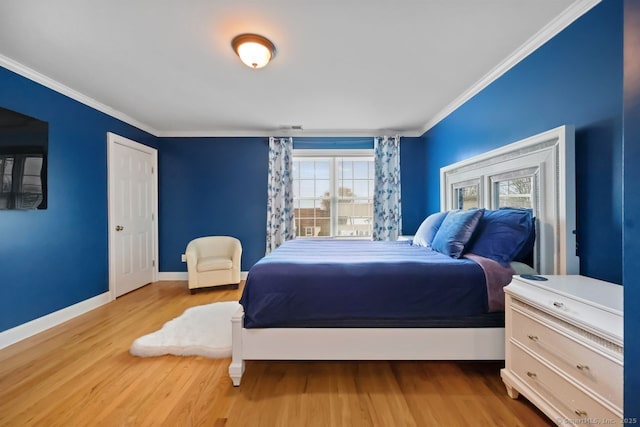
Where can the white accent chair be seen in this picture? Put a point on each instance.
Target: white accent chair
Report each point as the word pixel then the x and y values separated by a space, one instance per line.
pixel 213 261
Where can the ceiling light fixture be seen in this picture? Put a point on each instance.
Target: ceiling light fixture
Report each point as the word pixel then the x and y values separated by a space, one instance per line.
pixel 254 50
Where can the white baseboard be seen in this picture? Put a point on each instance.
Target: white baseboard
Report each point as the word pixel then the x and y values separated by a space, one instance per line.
pixel 182 275
pixel 172 275
pixel 33 327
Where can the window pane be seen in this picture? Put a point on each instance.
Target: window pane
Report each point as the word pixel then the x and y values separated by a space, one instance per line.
pixel 307 169
pixel 346 168
pixel 296 169
pixel 323 188
pixel 307 188
pixel 322 169
pixel 360 170
pixel 345 191
pixel 467 197
pixel 354 218
pixel 515 193
pixel 296 189
pixel 323 219
pixel 361 188
pixel 305 204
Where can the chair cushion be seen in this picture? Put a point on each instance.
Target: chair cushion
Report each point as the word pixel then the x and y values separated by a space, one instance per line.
pixel 213 263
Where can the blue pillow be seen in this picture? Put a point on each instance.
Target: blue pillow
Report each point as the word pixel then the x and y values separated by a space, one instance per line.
pixel 428 229
pixel 503 234
pixel 526 253
pixel 456 231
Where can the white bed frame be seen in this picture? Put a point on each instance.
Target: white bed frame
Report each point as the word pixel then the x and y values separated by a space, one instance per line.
pixel 549 157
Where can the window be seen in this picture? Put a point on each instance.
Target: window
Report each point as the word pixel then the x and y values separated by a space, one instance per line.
pixel 466 195
pixel 516 189
pixel 515 193
pixel 333 193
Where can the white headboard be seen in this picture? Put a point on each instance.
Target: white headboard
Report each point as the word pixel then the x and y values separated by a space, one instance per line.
pixel 549 159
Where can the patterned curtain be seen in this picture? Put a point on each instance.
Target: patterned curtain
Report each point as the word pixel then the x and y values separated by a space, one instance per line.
pixel 387 210
pixel 280 214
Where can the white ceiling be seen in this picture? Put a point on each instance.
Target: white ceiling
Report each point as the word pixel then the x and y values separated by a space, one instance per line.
pixel 343 67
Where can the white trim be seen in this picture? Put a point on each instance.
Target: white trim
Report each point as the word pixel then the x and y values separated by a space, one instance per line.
pixel 333 152
pixel 112 139
pixel 173 275
pixel 183 275
pixel 549 31
pixel 48 82
pixel 319 133
pixel 33 327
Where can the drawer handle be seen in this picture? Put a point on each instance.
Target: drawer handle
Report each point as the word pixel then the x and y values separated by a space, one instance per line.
pixel 533 338
pixel 558 304
pixel 580 413
pixel 532 374
pixel 582 367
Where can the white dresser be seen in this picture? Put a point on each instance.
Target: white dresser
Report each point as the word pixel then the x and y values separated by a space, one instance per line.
pixel 564 347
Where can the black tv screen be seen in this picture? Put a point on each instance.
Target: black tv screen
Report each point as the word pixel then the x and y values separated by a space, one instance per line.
pixel 23 161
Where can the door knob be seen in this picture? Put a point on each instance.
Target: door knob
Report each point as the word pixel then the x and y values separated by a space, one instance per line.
pixel 119 228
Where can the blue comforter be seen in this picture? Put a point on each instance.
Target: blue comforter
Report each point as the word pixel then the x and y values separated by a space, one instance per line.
pixel 338 282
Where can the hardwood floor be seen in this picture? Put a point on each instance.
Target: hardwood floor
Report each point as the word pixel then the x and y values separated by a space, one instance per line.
pixel 81 374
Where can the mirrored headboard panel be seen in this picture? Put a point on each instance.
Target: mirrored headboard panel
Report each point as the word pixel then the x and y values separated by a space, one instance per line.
pixel 537 173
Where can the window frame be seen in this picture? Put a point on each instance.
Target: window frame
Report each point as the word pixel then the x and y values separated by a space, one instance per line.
pixel 332 155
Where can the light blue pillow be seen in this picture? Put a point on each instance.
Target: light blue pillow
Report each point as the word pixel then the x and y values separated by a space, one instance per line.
pixel 455 232
pixel 428 229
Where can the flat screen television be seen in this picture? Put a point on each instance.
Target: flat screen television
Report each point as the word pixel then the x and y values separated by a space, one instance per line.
pixel 24 142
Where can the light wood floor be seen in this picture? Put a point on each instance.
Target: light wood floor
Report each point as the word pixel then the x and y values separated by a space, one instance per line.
pixel 81 374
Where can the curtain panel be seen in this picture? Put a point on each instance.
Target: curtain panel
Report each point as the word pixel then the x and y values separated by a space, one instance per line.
pixel 387 208
pixel 280 213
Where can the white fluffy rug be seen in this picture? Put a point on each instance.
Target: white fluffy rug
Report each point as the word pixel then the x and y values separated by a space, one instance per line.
pixel 200 331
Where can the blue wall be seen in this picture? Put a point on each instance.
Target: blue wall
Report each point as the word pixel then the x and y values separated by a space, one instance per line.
pixel 575 78
pixel 412 164
pixel 631 230
pixel 212 186
pixel 51 259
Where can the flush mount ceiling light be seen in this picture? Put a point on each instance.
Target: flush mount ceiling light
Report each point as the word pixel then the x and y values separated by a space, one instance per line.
pixel 254 50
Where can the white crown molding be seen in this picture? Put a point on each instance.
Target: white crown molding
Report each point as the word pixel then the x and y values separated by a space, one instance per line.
pixel 33 327
pixel 48 82
pixel 562 21
pixel 229 133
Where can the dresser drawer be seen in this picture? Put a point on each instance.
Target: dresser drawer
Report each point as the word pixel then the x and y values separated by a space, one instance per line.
pixel 587 315
pixel 566 398
pixel 595 371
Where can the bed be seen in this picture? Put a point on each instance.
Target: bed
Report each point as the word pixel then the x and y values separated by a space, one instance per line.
pixel 356 283
pixel 359 300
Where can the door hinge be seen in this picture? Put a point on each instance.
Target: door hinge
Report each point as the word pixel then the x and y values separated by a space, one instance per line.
pixel 153 217
pixel 153 263
pixel 151 170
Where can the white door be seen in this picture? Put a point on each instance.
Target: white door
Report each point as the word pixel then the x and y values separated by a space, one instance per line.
pixel 131 215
